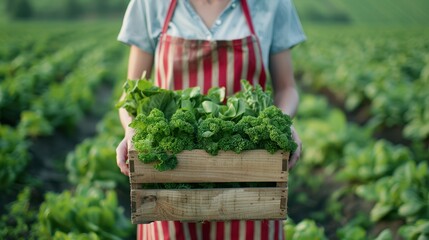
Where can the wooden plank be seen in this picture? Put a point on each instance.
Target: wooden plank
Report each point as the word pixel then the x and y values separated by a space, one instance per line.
pixel 199 166
pixel 209 204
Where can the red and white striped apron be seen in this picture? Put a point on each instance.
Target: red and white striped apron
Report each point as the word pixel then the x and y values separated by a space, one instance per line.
pixel 183 63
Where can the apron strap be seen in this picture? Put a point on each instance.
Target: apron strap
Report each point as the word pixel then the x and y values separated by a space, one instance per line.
pixel 173 4
pixel 169 15
pixel 246 12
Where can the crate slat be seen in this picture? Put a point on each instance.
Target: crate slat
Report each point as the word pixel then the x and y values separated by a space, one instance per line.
pixel 199 166
pixel 209 204
pixel 221 204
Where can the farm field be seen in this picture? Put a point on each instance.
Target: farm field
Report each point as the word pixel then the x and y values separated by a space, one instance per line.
pixel 363 119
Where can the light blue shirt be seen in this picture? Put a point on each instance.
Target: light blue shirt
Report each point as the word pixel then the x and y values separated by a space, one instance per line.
pixel 276 24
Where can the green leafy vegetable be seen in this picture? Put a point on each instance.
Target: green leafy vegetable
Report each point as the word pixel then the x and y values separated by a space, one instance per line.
pixel 168 122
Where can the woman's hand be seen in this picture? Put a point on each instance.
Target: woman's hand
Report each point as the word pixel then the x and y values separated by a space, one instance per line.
pixel 122 152
pixel 122 156
pixel 297 154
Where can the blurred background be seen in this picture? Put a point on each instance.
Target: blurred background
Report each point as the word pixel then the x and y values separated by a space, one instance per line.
pixel 363 75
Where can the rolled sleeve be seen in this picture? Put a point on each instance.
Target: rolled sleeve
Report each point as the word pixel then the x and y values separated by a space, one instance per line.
pixel 135 27
pixel 287 28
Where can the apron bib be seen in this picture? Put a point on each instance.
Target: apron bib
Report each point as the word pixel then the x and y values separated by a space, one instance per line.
pixel 183 63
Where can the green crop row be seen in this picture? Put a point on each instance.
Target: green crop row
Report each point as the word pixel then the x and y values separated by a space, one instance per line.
pixel 90 209
pixel 381 77
pixel 366 182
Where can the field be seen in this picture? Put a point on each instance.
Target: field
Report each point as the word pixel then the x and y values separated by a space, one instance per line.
pixel 363 119
pixel 365 12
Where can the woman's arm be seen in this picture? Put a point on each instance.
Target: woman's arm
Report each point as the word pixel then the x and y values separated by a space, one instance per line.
pixel 138 63
pixel 285 93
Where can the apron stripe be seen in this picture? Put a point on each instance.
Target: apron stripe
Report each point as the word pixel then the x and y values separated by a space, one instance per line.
pixel 264 230
pixel 147 230
pixel 230 70
pixel 186 232
pixel 262 76
pixel 165 230
pixel 207 66
pixel 157 59
pixel 258 67
pixel 252 62
pixel 199 228
pixel 223 66
pixel 153 231
pixel 185 66
pixel 200 71
pixel 271 229
pixel 139 232
pixel 276 230
pixel 177 68
pixel 206 230
pixel 238 65
pixel 257 230
pixel 161 69
pixel 243 230
pixel 193 231
pixel 245 66
pixel 169 81
pixel 227 231
pixel 157 230
pixel 235 227
pixel 180 230
pixel 250 229
pixel 220 230
pixel 193 66
pixel 171 230
pixel 213 230
pixel 215 66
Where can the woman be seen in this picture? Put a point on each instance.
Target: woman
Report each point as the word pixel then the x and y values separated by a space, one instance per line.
pixel 210 43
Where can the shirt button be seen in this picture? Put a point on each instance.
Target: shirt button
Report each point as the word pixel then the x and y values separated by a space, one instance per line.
pixel 218 22
pixel 234 5
pixel 209 37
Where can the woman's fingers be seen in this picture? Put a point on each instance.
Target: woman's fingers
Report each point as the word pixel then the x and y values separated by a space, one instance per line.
pixel 122 156
pixel 297 154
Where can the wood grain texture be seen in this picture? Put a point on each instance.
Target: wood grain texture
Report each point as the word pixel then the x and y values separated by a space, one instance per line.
pixel 209 204
pixel 225 204
pixel 199 166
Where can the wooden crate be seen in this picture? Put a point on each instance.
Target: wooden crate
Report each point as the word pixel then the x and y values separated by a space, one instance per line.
pixel 211 204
